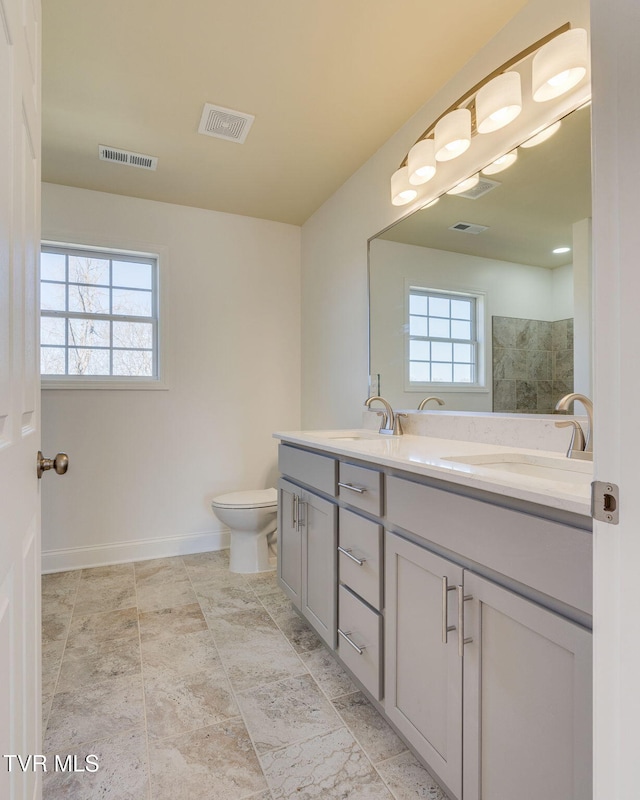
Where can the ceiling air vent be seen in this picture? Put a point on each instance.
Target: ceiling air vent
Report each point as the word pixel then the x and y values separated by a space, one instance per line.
pixel 223 123
pixel 127 158
pixel 481 188
pixel 468 227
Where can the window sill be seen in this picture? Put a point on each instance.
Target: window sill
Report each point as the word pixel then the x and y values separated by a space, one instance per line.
pixel 102 385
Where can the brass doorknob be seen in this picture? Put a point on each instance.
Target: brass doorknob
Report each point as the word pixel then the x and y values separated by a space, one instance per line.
pixel 60 463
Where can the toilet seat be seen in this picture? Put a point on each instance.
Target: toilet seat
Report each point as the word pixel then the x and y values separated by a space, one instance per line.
pixel 256 498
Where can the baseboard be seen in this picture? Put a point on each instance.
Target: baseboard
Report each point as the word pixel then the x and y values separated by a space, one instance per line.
pixel 138 550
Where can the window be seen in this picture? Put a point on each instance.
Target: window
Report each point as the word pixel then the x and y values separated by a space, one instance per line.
pixel 99 316
pixel 443 341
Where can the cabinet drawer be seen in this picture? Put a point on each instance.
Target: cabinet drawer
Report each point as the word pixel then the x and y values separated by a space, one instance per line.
pixel 361 488
pixel 363 541
pixel 311 469
pixel 363 627
pixel 552 558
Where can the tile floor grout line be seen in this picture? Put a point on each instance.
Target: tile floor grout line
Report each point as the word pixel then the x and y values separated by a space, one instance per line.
pixel 144 699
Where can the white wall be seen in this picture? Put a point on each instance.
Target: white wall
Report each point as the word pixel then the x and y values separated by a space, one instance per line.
pixel 334 239
pixel 510 290
pixel 144 465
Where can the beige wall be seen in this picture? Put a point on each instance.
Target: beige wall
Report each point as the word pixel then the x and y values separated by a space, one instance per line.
pixel 334 239
pixel 145 464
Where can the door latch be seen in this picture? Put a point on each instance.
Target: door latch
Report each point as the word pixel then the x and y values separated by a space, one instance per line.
pixel 605 502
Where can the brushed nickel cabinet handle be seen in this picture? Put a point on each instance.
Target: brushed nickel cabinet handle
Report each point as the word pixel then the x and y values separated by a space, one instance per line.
pixel 446 628
pixel 346 636
pixel 462 599
pixel 358 489
pixel 348 554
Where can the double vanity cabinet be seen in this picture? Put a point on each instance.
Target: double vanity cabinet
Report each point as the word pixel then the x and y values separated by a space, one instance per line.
pixel 463 614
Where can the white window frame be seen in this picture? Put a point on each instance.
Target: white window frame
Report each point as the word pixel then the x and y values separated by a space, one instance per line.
pixel 480 340
pixel 121 382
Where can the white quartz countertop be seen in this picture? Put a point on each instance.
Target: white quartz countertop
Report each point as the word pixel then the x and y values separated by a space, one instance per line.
pixel 537 476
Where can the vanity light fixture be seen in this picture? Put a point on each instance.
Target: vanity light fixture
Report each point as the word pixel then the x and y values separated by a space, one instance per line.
pixel 465 185
pixel 501 163
pixel 452 135
pixel 431 203
pixel 402 192
pixel 421 162
pixel 498 102
pixel 559 62
pixel 542 135
pixel 559 65
pixel 559 250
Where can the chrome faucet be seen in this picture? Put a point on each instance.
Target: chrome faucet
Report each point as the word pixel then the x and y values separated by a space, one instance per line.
pixel 580 446
pixel 390 424
pixel 424 402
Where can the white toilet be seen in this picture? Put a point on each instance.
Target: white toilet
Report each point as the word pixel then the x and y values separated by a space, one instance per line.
pixel 251 518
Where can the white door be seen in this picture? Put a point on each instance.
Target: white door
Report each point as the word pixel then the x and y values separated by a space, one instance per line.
pixel 616 232
pixel 19 395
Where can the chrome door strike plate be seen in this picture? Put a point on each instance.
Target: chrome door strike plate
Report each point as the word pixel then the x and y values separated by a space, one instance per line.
pixel 605 502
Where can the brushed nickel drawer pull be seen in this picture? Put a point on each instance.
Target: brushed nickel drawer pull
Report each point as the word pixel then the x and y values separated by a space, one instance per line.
pixel 359 561
pixel 358 489
pixel 345 636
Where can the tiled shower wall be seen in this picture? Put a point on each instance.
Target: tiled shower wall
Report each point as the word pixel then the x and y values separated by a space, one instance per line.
pixel 532 364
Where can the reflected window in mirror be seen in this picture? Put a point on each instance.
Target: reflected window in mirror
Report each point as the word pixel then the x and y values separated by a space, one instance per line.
pixel 443 339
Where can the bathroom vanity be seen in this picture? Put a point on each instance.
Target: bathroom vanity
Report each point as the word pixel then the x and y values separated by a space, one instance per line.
pixel 453 580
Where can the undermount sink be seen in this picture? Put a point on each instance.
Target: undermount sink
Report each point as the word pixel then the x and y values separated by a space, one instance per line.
pixel 356 437
pixel 564 470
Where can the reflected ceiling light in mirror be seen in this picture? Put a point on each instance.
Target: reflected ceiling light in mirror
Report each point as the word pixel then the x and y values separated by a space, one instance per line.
pixel 559 250
pixel 452 134
pixel 560 65
pixel 501 163
pixel 498 102
pixel 542 136
pixel 422 162
pixel 465 185
pixel 402 192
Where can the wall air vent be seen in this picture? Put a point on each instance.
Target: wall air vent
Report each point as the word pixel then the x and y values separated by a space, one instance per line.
pixel 127 158
pixel 469 227
pixel 481 188
pixel 223 123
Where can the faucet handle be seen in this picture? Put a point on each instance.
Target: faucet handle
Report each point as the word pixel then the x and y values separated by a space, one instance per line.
pixel 577 444
pixel 397 427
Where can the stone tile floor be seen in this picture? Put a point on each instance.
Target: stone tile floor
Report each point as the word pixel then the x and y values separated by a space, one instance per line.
pixel 192 683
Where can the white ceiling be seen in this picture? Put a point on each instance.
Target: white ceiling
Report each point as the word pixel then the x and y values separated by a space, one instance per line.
pixel 329 81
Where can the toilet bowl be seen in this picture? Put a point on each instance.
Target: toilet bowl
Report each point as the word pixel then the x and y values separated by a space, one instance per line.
pixel 251 519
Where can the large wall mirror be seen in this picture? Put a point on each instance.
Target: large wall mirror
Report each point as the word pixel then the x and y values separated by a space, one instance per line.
pixel 469 301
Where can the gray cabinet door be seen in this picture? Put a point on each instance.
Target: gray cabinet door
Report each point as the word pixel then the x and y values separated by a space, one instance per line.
pixel 289 543
pixel 423 675
pixel 319 564
pixel 527 699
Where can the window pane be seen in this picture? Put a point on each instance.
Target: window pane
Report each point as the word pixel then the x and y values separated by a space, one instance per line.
pixel 52 297
pixel 460 330
pixel 89 333
pixel 88 362
pixel 462 373
pixel 418 304
pixel 418 326
pixel 132 363
pixel 461 309
pixel 88 270
pixel 441 351
pixel 133 334
pixel 439 307
pixel 463 353
pixel 89 299
pixel 52 360
pixel 131 275
pixel 419 351
pixel 439 328
pixel 419 371
pixel 132 303
pixel 52 330
pixel 441 373
pixel 52 267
